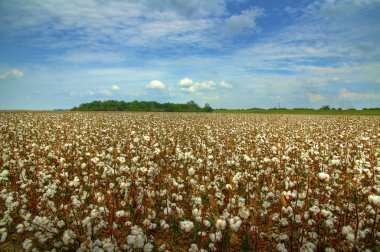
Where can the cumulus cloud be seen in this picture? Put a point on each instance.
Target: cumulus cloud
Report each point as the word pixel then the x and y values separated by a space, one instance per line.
pixel 346 94
pixel 191 89
pixel 210 85
pixel 115 88
pixel 246 20
pixel 313 97
pixel 189 86
pixel 186 82
pixel 13 73
pixel 225 84
pixel 155 84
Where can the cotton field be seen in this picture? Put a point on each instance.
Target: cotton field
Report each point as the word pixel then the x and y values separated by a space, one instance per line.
pixel 89 181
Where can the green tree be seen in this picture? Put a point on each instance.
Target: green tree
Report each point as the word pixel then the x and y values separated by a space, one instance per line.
pixel 325 107
pixel 207 108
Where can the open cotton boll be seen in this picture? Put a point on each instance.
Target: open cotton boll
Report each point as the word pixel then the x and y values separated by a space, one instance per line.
pixel 323 176
pixel 235 223
pixel 281 247
pixel 20 228
pixel 4 173
pixel 221 224
pixel 374 199
pixel 68 237
pixel 187 226
pixel 120 213
pixel 197 214
pixel 244 213
pixel 193 248
pixel 27 245
pixel 146 138
pixel 215 237
pixel 137 237
pixel 4 234
pixel 191 171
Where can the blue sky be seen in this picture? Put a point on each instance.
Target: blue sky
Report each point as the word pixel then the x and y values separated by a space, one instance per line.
pixel 231 54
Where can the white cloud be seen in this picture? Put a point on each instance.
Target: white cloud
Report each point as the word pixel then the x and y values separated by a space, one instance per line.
pixel 105 91
pixel 186 82
pixel 246 20
pixel 188 85
pixel 191 89
pixel 97 91
pixel 189 8
pixel 13 73
pixel 344 93
pixel 225 84
pixel 153 24
pixel 115 88
pixel 155 84
pixel 209 97
pixel 337 8
pixel 210 85
pixel 91 57
pixel 313 97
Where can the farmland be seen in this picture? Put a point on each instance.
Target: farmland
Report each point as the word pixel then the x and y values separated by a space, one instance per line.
pixel 98 181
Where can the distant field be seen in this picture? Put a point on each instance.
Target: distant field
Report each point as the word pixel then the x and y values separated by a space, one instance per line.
pixel 302 111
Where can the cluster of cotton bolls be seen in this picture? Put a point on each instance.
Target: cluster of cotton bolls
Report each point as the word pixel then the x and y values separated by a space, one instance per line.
pixel 91 181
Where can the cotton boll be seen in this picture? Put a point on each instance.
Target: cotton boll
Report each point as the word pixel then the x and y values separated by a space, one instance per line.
pixel 323 176
pixel 191 171
pixel 193 248
pixel 20 228
pixel 374 200
pixel 120 213
pixel 235 223
pixel 60 223
pixel 329 249
pixel 308 247
pixel 215 237
pixel 346 230
pixel 139 241
pixel 281 247
pixel 212 246
pixel 197 214
pixel 244 213
pixel 94 213
pixel 68 237
pixel 220 224
pixel 329 223
pixel 4 174
pixel 4 234
pixel 186 226
pixel 136 238
pixel 148 247
pixel 206 223
pixel 350 237
pixel 146 138
pixel 27 245
pixel 163 224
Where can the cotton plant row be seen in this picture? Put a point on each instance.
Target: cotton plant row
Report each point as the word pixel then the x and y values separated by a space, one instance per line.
pixel 91 181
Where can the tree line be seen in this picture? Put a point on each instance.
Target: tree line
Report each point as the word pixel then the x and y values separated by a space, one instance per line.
pixel 112 105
